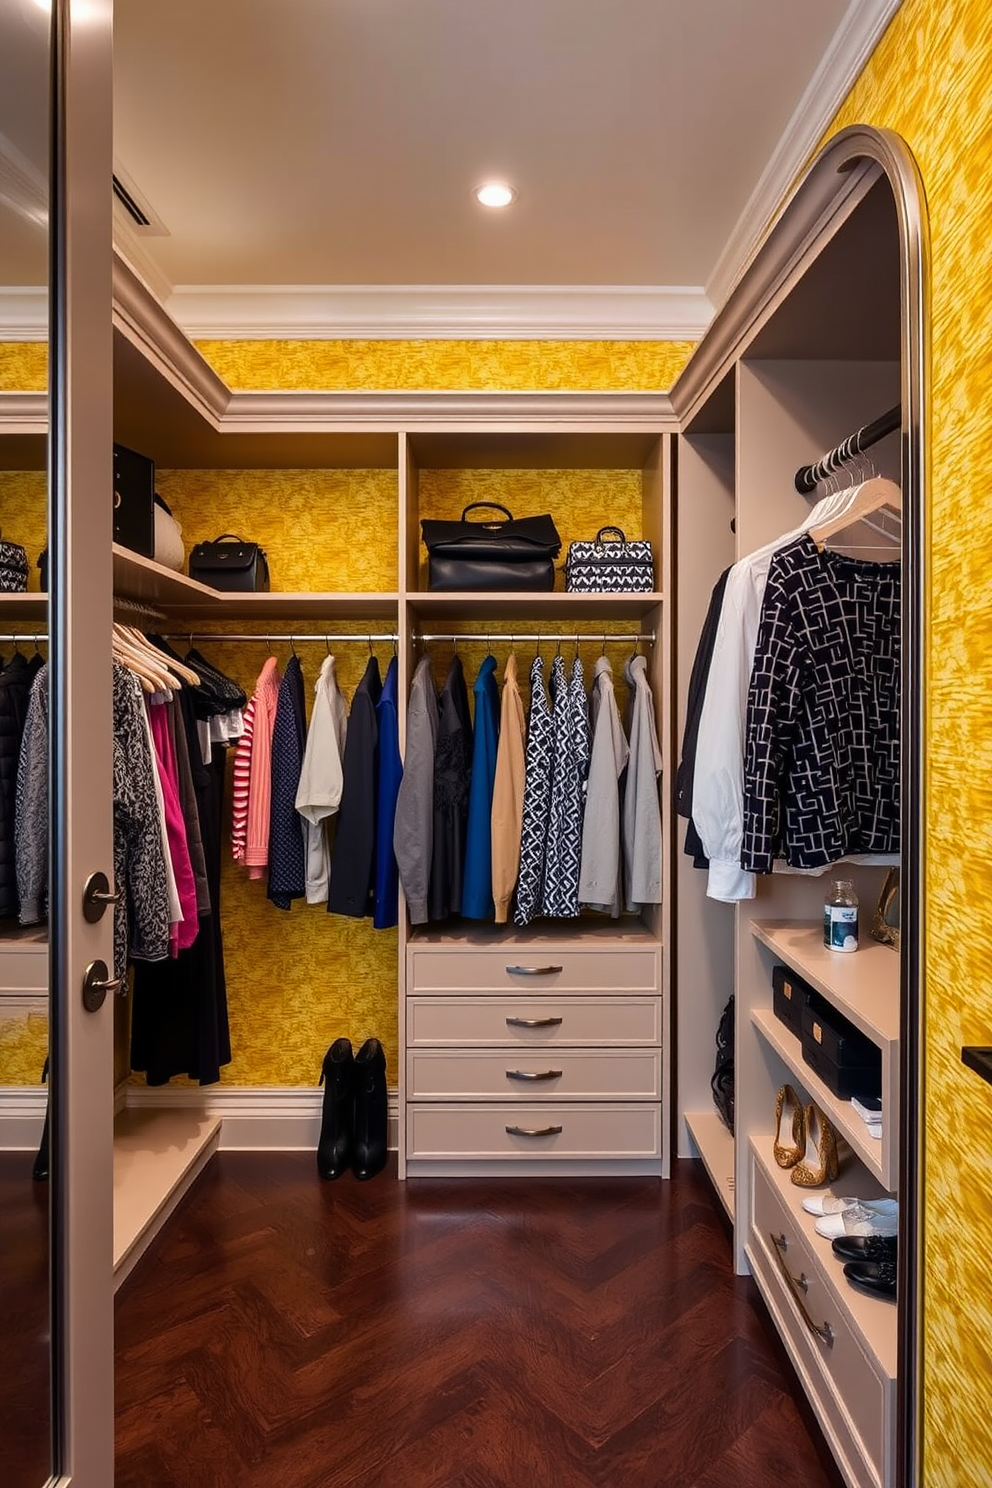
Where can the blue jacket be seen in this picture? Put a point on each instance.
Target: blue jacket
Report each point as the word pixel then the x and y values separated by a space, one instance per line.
pixel 477 886
pixel 386 908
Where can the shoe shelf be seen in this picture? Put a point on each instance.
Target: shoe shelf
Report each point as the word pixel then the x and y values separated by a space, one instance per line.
pixel 872 1319
pixel 863 986
pixel 715 1145
pixel 880 1156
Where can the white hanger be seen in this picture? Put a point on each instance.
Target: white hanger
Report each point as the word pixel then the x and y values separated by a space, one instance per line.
pixel 866 498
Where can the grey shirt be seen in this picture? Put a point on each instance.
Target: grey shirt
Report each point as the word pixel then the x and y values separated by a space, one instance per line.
pixel 413 828
pixel 641 807
pixel 599 875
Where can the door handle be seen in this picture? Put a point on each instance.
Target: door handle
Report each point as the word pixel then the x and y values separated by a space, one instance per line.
pixel 533 1075
pixel 97 982
pixel 97 894
pixel 533 1131
pixel 533 970
pixel 533 1022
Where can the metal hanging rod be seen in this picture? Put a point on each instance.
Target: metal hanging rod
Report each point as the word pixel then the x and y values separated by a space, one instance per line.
pixel 287 637
pixel 809 476
pixel 644 638
pixel 16 638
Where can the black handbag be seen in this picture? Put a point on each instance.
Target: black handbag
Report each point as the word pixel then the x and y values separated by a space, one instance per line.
pixel 13 568
pixel 230 563
pixel 722 1080
pixel 516 554
pixel 619 567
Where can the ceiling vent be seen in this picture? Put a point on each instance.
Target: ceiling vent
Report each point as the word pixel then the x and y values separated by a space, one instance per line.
pixel 140 215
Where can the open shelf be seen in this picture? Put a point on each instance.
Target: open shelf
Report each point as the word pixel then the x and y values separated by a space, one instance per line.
pixel 596 609
pixel 158 1155
pixel 878 1156
pixel 17 608
pixel 300 607
pixel 141 578
pixel 716 1149
pixel 873 1319
pixel 863 986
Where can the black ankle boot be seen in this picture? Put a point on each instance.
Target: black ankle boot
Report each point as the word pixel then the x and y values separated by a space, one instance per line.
pixel 371 1110
pixel 40 1170
pixel 337 1122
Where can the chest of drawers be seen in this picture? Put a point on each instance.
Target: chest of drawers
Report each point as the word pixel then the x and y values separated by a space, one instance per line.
pixel 533 1054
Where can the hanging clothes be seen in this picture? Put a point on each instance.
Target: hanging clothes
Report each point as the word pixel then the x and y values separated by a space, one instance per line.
pixel 570 765
pixel 175 907
pixel 179 1019
pixel 182 934
pixel 287 850
pixel 15 687
pixel 322 777
pixel 387 886
pixel 508 793
pixel 187 802
pixel 352 884
pixel 266 700
pixel 641 806
pixel 821 772
pixel 698 678
pixel 413 828
pixel 477 885
pixel 537 797
pixel 600 875
pixel 241 785
pixel 452 783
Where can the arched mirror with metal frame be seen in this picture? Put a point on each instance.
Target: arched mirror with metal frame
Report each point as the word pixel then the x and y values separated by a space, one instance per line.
pixel 818 358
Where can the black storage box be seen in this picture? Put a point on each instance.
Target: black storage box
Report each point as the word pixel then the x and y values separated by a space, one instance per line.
pixel 846 1061
pixel 134 501
pixel 789 997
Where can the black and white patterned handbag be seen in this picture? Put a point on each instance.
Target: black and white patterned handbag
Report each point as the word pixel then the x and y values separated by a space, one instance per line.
pixel 13 568
pixel 615 567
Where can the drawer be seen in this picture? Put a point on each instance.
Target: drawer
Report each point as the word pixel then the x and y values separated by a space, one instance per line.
pixel 536 968
pixel 513 1074
pixel 538 1132
pixel 533 1021
pixel 855 1388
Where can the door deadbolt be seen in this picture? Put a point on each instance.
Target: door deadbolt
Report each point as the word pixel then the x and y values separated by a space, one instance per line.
pixel 97 894
pixel 97 982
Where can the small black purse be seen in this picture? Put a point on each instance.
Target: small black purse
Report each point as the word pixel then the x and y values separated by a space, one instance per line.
pixel 516 554
pixel 13 568
pixel 230 563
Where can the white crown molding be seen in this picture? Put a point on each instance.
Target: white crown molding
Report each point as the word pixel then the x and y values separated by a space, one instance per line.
pixel 302 412
pixel 130 247
pixel 854 41
pixel 23 413
pixel 433 312
pixel 24 312
pixel 255 1118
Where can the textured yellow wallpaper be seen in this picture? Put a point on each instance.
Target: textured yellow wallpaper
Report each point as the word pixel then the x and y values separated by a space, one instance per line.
pixel 23 366
pixel 931 80
pixel 23 514
pixel 23 1046
pixel 419 366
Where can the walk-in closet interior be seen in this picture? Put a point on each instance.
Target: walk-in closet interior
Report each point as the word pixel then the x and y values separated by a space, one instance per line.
pixel 538 1042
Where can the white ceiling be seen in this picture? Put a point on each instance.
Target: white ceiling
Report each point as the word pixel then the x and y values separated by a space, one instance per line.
pixel 312 146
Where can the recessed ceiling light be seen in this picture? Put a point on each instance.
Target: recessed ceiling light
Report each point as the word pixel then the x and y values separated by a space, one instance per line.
pixel 495 194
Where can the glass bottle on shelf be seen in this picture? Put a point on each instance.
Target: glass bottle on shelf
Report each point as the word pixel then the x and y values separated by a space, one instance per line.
pixel 840 917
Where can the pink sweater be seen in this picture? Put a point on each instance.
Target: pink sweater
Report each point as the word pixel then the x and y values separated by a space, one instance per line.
pixel 181 936
pixel 265 698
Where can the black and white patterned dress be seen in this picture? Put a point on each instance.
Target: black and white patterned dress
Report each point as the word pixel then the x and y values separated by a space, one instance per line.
pixel 570 767
pixel 537 798
pixel 821 771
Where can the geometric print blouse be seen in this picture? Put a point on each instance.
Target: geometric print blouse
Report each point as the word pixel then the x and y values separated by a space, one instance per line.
pixel 821 767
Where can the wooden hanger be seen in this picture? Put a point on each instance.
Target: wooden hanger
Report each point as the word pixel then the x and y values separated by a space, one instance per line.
pixel 160 658
pixel 870 496
pixel 147 665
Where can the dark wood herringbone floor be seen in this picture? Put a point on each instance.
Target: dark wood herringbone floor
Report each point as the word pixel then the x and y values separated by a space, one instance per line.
pixel 288 1333
pixel 25 1371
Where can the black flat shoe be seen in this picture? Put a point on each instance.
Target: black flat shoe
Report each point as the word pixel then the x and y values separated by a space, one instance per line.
pixel 337 1121
pixel 866 1247
pixel 371 1111
pixel 40 1170
pixel 876 1278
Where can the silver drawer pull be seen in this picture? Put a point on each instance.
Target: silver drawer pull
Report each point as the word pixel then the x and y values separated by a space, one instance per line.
pixel 533 1131
pixel 533 1022
pixel 796 1284
pixel 533 1075
pixel 534 970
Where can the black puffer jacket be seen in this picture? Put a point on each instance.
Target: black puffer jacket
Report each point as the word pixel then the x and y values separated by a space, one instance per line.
pixel 15 685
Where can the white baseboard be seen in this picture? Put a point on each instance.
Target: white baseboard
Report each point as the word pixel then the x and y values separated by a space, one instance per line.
pixel 256 1118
